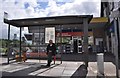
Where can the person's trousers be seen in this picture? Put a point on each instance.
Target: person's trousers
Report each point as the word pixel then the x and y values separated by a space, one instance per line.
pixel 49 58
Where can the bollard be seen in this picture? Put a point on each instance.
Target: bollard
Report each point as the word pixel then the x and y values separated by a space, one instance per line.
pixel 100 64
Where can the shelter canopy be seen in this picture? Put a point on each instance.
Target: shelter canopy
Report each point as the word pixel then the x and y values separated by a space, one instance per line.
pixel 46 21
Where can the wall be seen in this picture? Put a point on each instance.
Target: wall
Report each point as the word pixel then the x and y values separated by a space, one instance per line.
pixel 99 33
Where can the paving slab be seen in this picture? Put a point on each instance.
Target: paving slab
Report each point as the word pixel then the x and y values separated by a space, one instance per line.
pixel 91 73
pixel 65 70
pixel 109 69
pixel 56 72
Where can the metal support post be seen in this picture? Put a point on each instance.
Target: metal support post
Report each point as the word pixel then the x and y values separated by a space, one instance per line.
pixel 116 49
pixel 119 45
pixel 85 41
pixel 61 43
pixel 39 44
pixel 8 43
pixel 20 44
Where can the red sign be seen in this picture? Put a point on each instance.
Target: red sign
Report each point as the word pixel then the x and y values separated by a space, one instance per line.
pixel 72 34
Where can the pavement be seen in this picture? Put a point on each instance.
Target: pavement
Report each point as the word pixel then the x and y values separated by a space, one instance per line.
pixel 70 69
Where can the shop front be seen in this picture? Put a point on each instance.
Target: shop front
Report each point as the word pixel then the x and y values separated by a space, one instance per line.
pixel 72 42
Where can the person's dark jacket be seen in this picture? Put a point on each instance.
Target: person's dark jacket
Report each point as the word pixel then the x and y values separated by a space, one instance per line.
pixel 52 48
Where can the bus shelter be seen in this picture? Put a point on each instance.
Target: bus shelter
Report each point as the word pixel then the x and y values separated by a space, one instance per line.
pixel 81 21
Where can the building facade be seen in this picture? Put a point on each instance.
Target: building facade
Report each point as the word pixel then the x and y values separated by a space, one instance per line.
pixel 112 11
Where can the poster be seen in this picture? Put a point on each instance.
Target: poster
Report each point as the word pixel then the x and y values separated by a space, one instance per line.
pixel 49 34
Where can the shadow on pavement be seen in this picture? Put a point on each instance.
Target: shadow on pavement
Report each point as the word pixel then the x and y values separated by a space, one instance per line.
pixel 46 69
pixel 81 72
pixel 28 77
pixel 25 72
pixel 92 57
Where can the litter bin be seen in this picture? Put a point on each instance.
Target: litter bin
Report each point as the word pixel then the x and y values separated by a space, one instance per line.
pixel 100 64
pixel 100 59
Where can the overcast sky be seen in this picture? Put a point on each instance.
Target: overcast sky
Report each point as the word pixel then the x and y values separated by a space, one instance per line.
pixel 18 9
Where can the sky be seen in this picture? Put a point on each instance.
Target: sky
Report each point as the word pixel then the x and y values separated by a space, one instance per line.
pixel 19 9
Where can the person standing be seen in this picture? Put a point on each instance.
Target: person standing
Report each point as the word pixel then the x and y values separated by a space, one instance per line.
pixel 51 51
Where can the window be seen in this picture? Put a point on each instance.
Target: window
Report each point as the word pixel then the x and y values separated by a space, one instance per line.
pixel 111 5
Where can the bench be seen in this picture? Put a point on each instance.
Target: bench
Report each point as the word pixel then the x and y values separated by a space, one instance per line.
pixel 42 55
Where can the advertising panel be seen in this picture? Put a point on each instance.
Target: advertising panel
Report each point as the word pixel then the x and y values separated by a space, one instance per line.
pixel 49 34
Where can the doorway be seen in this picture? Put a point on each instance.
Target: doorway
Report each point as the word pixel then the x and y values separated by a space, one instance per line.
pixel 75 45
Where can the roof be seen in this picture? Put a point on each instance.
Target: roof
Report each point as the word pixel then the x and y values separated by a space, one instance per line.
pixel 99 20
pixel 56 20
pixel 95 22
